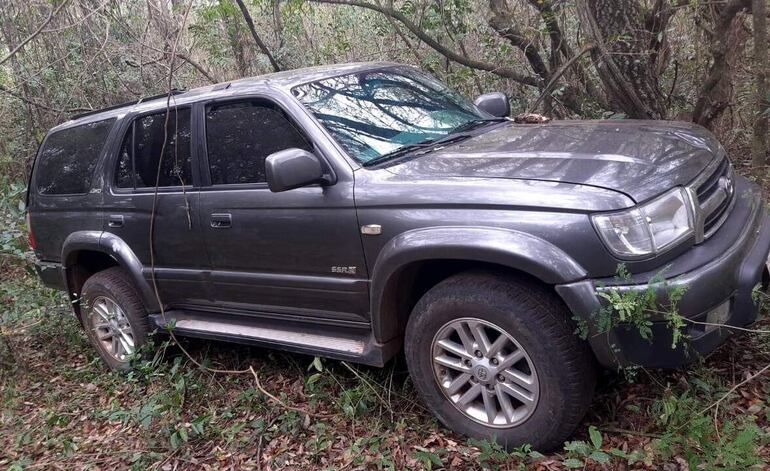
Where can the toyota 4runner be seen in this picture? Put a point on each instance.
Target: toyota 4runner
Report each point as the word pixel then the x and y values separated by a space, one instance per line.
pixel 351 210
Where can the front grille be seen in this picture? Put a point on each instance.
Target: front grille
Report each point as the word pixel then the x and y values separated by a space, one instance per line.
pixel 708 187
pixel 714 194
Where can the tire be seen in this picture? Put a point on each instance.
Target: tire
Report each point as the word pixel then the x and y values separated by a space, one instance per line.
pixel 101 289
pixel 553 379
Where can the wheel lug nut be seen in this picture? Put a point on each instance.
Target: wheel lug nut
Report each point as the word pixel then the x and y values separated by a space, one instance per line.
pixel 494 361
pixel 478 354
pixel 490 387
pixel 500 378
pixel 468 363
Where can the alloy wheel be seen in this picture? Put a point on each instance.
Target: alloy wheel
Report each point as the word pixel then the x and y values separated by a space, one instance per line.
pixel 111 328
pixel 484 372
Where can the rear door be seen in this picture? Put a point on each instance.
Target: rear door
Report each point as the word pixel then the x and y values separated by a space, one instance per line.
pixel 295 254
pixel 178 256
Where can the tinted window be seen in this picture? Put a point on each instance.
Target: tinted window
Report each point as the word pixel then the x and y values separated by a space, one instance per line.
pixel 67 160
pixel 241 135
pixel 140 153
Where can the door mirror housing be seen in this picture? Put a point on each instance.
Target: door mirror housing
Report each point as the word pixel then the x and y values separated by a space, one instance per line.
pixel 495 103
pixel 293 168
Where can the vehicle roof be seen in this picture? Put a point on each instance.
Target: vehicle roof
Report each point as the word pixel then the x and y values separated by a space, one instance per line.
pixel 284 80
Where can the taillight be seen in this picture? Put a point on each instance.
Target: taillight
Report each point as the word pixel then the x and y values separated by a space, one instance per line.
pixel 30 235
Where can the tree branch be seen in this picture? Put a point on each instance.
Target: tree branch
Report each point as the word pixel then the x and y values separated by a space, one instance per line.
pixel 33 35
pixel 505 72
pixel 197 66
pixel 38 104
pixel 257 39
pixel 502 22
pixel 557 75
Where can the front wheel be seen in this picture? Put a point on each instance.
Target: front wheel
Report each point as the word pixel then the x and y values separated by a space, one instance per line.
pixel 496 357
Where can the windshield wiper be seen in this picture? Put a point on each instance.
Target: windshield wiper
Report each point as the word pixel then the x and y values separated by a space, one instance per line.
pixel 430 144
pixel 475 123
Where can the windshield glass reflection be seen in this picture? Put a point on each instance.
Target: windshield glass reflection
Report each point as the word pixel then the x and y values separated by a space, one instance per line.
pixel 377 112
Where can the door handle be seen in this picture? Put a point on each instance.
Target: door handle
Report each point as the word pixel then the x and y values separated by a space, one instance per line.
pixel 115 220
pixel 221 220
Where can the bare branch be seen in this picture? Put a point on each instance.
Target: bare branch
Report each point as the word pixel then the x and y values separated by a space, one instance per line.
pixel 33 35
pixel 505 72
pixel 38 104
pixel 197 66
pixel 557 75
pixel 255 35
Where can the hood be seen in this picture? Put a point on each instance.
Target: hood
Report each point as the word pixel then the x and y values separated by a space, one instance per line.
pixel 641 159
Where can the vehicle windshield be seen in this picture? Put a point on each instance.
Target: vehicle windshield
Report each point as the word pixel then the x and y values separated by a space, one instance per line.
pixel 377 112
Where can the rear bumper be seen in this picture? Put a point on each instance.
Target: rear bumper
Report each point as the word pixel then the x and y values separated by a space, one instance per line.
pixel 51 274
pixel 728 267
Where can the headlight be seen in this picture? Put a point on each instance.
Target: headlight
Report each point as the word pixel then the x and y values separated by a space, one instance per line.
pixel 647 229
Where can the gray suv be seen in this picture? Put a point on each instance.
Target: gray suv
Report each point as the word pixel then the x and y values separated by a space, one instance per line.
pixel 350 211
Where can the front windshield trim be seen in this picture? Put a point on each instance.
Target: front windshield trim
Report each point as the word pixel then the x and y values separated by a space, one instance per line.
pixel 397 78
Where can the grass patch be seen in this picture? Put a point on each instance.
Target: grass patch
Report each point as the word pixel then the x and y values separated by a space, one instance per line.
pixel 61 407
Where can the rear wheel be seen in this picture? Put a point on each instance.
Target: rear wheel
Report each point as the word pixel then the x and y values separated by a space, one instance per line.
pixel 496 357
pixel 114 317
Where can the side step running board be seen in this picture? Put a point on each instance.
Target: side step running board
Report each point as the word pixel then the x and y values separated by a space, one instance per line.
pixel 346 344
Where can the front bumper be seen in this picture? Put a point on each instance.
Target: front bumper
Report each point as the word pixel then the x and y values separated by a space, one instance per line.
pixel 719 276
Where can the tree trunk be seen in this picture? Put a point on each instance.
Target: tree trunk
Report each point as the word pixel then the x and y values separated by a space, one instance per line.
pixel 759 142
pixel 622 57
pixel 727 38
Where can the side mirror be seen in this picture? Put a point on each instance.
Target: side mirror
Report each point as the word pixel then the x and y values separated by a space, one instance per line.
pixel 292 168
pixel 495 103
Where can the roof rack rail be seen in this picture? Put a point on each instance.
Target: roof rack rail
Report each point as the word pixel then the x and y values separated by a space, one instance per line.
pixel 173 91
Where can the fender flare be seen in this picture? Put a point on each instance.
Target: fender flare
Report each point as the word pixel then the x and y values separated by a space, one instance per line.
pixel 115 247
pixel 505 247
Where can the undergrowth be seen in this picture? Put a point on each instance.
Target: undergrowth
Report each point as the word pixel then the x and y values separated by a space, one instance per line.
pixel 60 407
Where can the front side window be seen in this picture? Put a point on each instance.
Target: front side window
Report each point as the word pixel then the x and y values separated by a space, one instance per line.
pixel 68 158
pixel 376 112
pixel 140 164
pixel 240 136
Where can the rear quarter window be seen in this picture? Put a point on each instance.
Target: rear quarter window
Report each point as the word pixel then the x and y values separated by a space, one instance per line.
pixel 68 158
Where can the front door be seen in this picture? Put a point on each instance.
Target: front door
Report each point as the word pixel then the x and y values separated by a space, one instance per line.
pixel 295 254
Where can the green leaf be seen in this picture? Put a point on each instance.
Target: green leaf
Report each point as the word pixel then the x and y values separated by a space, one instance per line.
pixel 600 456
pixel 578 446
pixel 573 463
pixel 317 364
pixel 596 437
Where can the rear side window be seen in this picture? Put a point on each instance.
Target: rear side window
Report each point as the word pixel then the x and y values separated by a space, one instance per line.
pixel 240 136
pixel 68 158
pixel 140 152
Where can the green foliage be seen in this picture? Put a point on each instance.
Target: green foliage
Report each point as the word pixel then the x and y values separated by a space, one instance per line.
pixel 637 308
pixel 703 440
pixel 492 455
pixel 13 227
pixel 429 458
pixel 579 452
